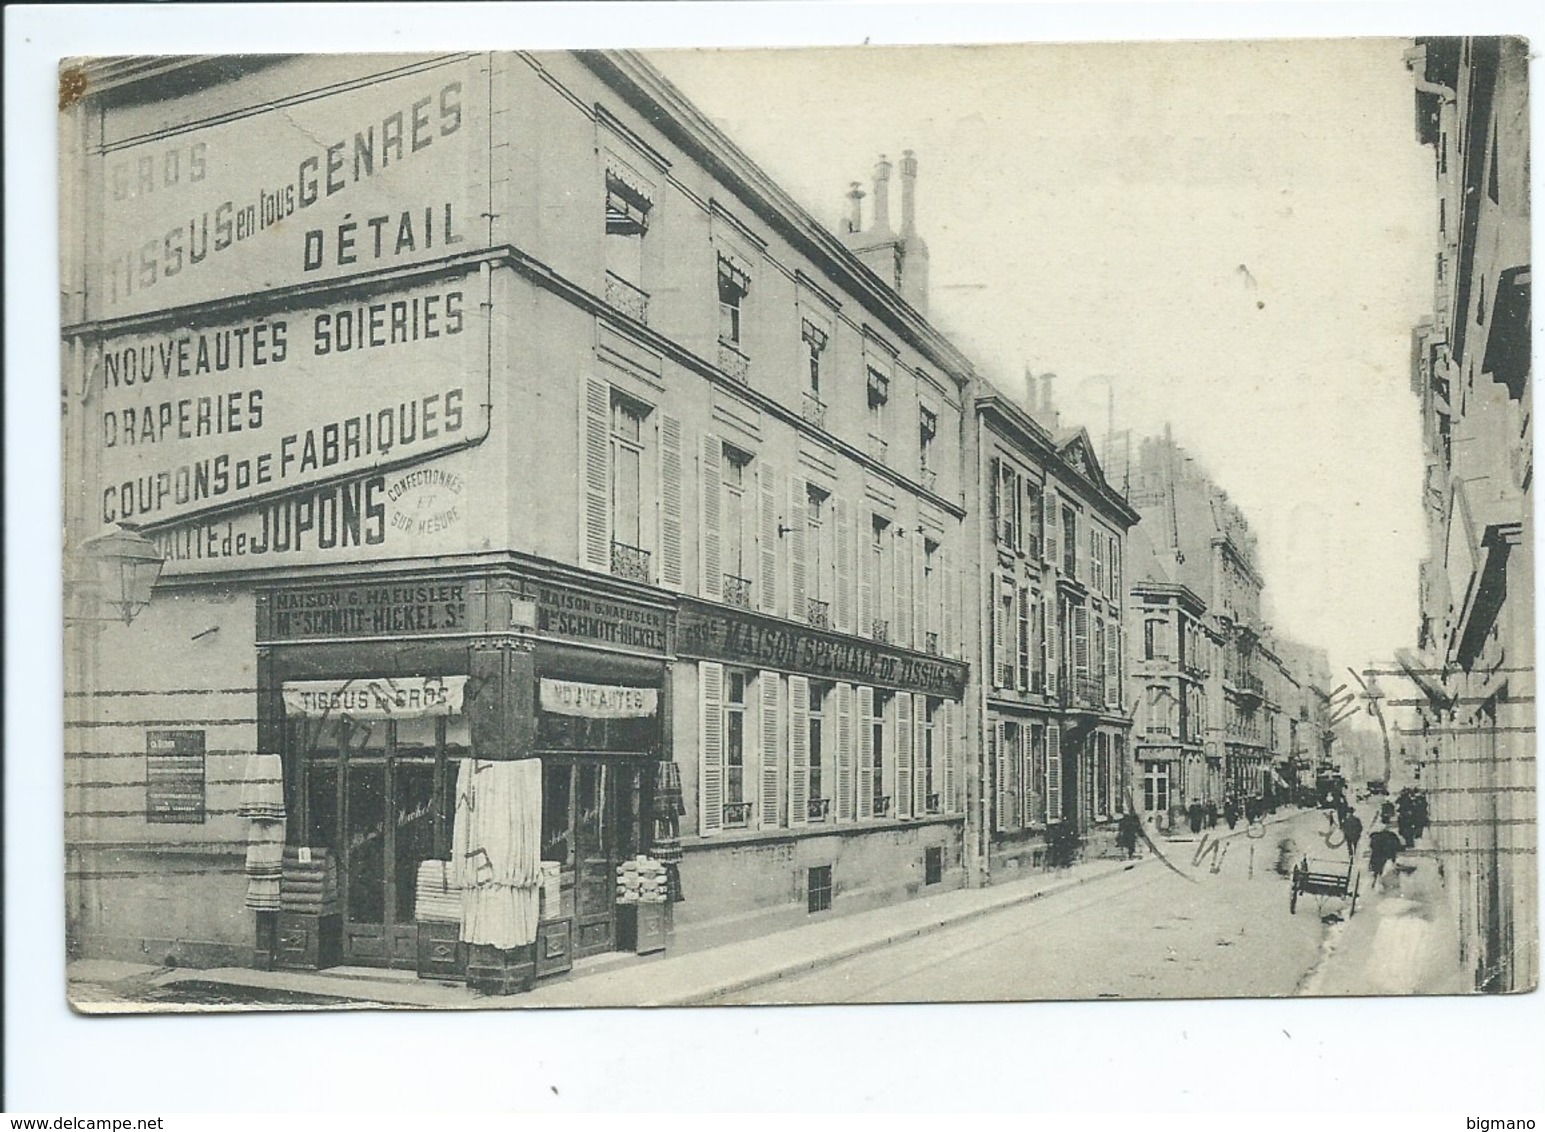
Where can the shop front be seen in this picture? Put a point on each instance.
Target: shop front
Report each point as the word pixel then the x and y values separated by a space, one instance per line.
pixel 463 766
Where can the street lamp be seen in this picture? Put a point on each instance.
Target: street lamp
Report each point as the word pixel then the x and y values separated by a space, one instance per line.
pixel 127 567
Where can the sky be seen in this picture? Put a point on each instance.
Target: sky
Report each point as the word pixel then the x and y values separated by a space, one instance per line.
pixel 1232 238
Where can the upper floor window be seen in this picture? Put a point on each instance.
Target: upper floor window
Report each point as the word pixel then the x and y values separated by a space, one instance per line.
pixel 734 285
pixel 1008 514
pixel 736 811
pixel 1096 560
pixel 739 515
pixel 879 392
pixel 627 219
pixel 1035 499
pixel 927 431
pixel 818 555
pixel 627 444
pixel 815 349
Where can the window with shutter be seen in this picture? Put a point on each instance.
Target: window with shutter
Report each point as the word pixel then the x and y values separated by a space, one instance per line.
pixel 767 538
pixel 796 531
pixel 1034 519
pixel 845 777
pixel 1034 774
pixel 901 599
pixel 710 748
pixel 867 791
pixel 1049 642
pixel 799 750
pixel 1097 662
pixel 1053 772
pixel 671 564
pixel 1113 665
pixel 595 519
pixel 902 801
pixel 710 492
pixel 995 498
pixel 770 697
pixel 1081 650
pixel 999 633
pixel 922 573
pixel 1049 526
pixel 949 601
pixel 1096 560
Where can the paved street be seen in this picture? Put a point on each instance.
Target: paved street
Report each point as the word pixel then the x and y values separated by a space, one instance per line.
pixel 1145 934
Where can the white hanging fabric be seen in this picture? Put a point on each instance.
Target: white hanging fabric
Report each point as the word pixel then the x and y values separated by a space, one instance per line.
pixel 496 850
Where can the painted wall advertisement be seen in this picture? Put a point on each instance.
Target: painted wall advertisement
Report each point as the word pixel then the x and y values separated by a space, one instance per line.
pixel 379 172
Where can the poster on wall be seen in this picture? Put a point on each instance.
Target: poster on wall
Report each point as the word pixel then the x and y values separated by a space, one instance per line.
pixel 373 172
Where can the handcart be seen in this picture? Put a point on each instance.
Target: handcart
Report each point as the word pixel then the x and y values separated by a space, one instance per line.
pixel 1326 878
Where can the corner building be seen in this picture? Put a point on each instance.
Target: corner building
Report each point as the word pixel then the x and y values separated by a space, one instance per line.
pixel 490 409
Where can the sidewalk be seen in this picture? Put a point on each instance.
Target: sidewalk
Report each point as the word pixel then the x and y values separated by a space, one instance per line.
pixel 621 980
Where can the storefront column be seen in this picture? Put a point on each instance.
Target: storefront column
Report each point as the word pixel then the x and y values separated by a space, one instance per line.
pixel 501 698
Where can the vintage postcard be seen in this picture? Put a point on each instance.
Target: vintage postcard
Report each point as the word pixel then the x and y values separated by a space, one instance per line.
pixel 945 524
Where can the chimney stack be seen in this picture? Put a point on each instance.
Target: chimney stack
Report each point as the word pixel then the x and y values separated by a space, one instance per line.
pixel 882 198
pixel 1048 406
pixel 855 208
pixel 1029 391
pixel 908 192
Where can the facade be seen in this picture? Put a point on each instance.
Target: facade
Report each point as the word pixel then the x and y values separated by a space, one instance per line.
pixel 494 409
pixel 1051 549
pixel 1473 743
pixel 1202 645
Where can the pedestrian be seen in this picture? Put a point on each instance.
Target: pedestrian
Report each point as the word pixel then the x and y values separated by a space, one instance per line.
pixel 1405 821
pixel 1230 812
pixel 1194 816
pixel 1127 833
pixel 1212 814
pixel 1352 830
pixel 1383 849
pixel 1419 811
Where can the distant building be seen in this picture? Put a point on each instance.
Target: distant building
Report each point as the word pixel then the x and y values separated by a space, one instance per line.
pixel 1051 547
pixel 1474 747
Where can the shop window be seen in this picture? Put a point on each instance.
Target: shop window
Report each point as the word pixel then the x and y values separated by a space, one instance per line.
pixel 879 800
pixel 818 888
pixel 927 769
pixel 1034 776
pixel 1156 787
pixel 1102 776
pixel 933 864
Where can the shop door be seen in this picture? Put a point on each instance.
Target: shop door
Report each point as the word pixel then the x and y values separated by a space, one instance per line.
pixel 378 794
pixel 596 858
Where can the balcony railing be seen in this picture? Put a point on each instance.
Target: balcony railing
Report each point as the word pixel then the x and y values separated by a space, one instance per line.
pixel 819 808
pixel 932 804
pixel 737 591
pixel 734 363
pixel 630 562
pixel 625 297
pixel 813 409
pixel 880 630
pixel 818 613
pixel 737 815
pixel 931 643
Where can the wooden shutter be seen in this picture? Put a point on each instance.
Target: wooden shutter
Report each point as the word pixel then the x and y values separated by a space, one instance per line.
pixel 1053 772
pixel 1080 646
pixel 920 755
pixel 1000 758
pixel 1022 652
pixel 769 689
pixel 798 607
pixel 595 442
pixel 920 622
pixel 949 643
pixel 710 492
pixel 902 794
pixel 865 752
pixel 999 633
pixel 1052 514
pixel 948 786
pixel 1051 642
pixel 865 570
pixel 672 572
pixel 799 750
pixel 767 537
pixel 844 694
pixel 1097 659
pixel 710 748
pixel 901 601
pixel 995 500
pixel 1025 768
pixel 842 596
pixel 1112 665
pixel 1096 561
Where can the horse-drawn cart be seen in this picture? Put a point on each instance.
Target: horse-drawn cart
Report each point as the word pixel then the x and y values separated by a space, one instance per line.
pixel 1326 878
